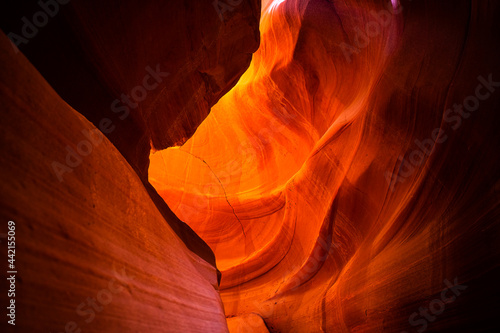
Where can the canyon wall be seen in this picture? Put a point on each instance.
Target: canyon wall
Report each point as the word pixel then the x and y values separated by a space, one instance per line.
pixel 290 166
pixel 97 248
pixel 93 253
pixel 349 182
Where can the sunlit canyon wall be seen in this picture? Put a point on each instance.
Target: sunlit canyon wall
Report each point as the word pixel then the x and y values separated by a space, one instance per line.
pixel 284 166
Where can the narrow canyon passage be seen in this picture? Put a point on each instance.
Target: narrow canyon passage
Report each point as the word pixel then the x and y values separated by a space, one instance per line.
pixel 248 166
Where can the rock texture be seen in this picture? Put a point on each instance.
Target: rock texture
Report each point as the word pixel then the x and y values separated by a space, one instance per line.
pixel 352 174
pixel 146 75
pixel 93 252
pixel 247 323
pixel 94 53
pixel 348 182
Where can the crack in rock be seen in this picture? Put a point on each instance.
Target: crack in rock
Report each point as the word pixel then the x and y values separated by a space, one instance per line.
pixel 223 189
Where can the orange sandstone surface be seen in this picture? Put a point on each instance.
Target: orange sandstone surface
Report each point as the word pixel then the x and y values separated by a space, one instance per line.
pixel 298 166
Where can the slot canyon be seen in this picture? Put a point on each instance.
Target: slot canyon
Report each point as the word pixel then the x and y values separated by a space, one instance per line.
pixel 250 166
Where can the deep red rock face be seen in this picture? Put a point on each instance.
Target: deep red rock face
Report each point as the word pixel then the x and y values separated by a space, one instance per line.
pixel 93 252
pixel 154 69
pixel 84 218
pixel 344 180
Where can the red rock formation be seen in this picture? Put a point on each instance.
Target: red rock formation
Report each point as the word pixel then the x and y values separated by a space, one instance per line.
pixel 93 253
pixel 92 53
pixel 97 56
pixel 335 184
pixel 347 183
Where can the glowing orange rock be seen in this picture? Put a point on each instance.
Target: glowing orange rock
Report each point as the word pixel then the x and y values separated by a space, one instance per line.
pixel 295 179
